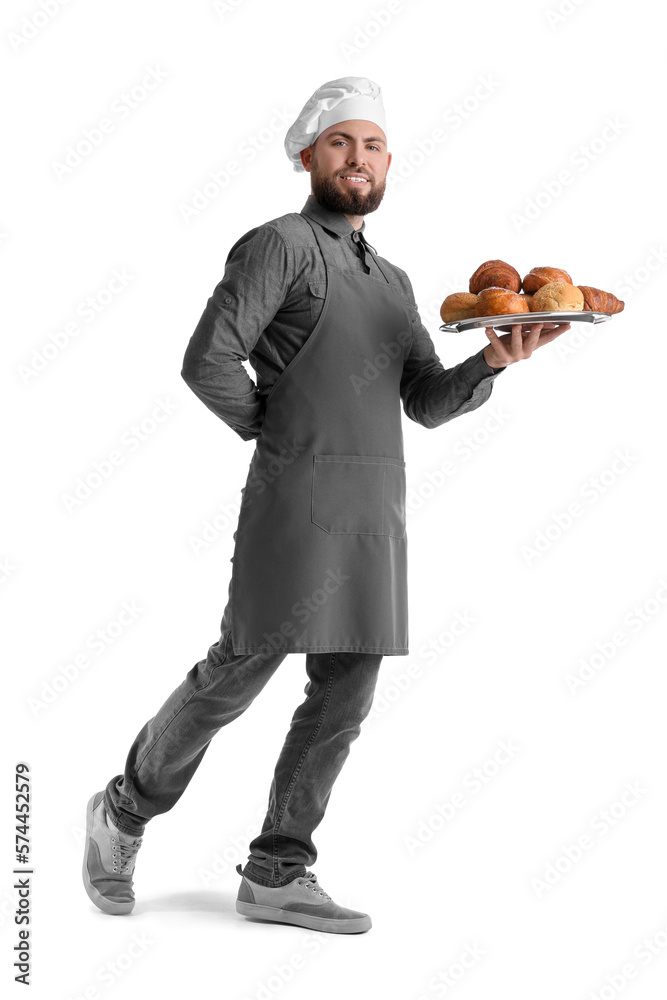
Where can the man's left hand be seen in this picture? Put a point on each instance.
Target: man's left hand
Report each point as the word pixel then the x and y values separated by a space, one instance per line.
pixel 520 343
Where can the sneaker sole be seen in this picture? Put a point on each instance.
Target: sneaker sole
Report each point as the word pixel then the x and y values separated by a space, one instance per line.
pixel 352 926
pixel 106 905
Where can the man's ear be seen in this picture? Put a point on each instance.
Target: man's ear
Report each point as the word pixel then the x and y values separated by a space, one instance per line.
pixel 388 161
pixel 306 156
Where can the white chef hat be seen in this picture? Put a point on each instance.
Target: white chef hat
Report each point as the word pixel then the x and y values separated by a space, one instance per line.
pixel 335 101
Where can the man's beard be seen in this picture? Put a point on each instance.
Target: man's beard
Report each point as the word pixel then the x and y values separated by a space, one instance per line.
pixel 329 193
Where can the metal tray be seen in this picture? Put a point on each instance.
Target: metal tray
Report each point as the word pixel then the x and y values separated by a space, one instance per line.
pixel 526 319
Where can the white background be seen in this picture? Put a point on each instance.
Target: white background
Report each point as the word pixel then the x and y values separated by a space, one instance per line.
pixel 521 93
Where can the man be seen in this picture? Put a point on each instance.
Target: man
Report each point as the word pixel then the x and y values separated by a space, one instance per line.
pixel 320 560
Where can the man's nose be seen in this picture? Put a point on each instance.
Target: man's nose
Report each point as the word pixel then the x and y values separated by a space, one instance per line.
pixel 356 155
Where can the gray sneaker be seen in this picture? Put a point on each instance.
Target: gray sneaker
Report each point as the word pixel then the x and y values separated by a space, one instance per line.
pixel 108 861
pixel 302 901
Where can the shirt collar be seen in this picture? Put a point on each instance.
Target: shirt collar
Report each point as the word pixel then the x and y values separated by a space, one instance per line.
pixel 335 222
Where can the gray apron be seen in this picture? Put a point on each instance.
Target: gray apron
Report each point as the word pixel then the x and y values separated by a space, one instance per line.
pixel 320 560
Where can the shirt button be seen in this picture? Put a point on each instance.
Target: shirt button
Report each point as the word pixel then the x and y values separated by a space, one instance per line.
pixel 228 298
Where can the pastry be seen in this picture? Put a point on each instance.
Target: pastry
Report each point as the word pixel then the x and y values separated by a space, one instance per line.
pixel 558 296
pixel 458 305
pixel 496 301
pixel 527 296
pixel 595 300
pixel 496 274
pixel 538 276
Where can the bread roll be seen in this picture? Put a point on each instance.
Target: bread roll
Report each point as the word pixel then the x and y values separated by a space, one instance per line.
pixel 498 301
pixel 458 305
pixel 538 276
pixel 496 274
pixel 527 297
pixel 558 296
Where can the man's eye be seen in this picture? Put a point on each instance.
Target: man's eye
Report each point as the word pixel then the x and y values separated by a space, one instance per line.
pixel 337 141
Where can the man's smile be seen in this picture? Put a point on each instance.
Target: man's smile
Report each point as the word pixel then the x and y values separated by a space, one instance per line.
pixel 354 180
pixel 347 182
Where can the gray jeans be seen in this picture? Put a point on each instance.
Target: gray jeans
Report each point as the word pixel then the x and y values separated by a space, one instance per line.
pixel 170 747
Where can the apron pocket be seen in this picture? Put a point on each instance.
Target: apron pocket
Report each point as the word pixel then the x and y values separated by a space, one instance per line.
pixel 359 494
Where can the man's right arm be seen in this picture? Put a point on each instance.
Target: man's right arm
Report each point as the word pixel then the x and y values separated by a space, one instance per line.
pixel 258 272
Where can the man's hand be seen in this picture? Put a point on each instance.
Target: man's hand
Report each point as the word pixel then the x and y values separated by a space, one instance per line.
pixel 520 343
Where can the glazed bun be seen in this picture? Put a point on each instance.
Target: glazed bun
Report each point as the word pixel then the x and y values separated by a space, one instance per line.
pixel 496 301
pixel 496 274
pixel 558 296
pixel 458 305
pixel 538 276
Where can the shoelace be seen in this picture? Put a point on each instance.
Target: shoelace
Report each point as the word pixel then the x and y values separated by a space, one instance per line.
pixel 127 854
pixel 310 880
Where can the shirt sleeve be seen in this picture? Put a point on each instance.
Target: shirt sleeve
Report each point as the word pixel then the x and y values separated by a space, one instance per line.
pixel 431 393
pixel 258 273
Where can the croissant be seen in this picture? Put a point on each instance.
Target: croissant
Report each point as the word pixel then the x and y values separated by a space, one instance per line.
pixel 595 300
pixel 495 273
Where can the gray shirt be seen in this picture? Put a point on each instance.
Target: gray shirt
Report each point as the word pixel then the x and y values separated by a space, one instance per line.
pixel 268 302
